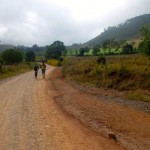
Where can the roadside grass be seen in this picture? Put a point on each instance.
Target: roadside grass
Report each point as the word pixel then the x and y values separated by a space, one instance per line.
pixel 123 73
pixel 12 70
pixel 138 95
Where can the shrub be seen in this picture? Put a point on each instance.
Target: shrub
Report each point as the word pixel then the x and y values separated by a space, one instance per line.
pixel 60 59
pixel 53 62
pixel 124 72
pixel 127 49
pixel 101 59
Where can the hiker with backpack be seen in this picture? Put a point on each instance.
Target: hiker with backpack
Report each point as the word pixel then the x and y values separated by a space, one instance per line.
pixel 36 68
pixel 43 69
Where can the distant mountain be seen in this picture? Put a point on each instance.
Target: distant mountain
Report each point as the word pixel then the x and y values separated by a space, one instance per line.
pixel 35 48
pixel 6 46
pixel 125 31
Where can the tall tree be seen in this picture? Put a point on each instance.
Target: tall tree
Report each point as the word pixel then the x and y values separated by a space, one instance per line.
pixel 95 51
pixel 35 48
pixel 144 46
pixel 30 55
pixel 81 51
pixel 55 50
pixel 12 56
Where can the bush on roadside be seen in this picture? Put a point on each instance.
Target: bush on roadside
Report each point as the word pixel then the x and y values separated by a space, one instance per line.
pixel 53 62
pixel 101 59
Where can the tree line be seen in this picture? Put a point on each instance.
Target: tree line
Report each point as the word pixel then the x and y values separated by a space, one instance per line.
pixel 15 56
pixel 113 46
pixel 57 49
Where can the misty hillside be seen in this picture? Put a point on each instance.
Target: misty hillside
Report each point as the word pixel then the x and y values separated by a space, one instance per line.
pixel 5 46
pixel 125 31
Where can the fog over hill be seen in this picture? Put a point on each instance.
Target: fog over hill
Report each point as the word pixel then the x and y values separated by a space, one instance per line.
pixel 124 31
pixel 5 46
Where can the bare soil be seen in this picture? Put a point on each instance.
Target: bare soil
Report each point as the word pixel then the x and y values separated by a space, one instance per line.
pixel 31 119
pixel 105 112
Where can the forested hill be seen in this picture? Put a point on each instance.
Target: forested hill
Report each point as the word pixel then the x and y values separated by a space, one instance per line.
pixel 126 31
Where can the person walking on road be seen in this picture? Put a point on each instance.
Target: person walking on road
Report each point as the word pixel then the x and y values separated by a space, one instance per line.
pixel 36 68
pixel 43 68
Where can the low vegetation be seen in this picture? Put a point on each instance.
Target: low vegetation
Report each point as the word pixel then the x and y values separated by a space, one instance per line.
pixel 53 62
pixel 12 62
pixel 126 72
pixel 141 95
pixel 11 70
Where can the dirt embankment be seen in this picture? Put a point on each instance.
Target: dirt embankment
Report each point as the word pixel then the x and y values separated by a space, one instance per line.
pixel 127 123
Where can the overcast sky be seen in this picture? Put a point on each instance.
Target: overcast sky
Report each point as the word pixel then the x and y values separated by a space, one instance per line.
pixel 41 22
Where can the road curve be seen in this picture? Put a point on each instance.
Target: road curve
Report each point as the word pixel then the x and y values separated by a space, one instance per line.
pixel 31 120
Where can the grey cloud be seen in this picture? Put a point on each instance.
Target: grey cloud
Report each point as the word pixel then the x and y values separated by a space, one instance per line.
pixel 34 21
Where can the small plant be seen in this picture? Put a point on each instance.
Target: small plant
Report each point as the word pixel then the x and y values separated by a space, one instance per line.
pixel 101 60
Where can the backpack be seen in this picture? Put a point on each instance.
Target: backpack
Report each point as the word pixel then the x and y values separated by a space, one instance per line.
pixel 43 67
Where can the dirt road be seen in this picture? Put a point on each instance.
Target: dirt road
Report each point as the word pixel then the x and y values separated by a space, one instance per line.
pixel 105 111
pixel 30 119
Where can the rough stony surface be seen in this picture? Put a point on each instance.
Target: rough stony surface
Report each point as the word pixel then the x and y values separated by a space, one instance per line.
pixel 105 112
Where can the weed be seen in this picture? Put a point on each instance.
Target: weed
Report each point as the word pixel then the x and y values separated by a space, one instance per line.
pixel 138 95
